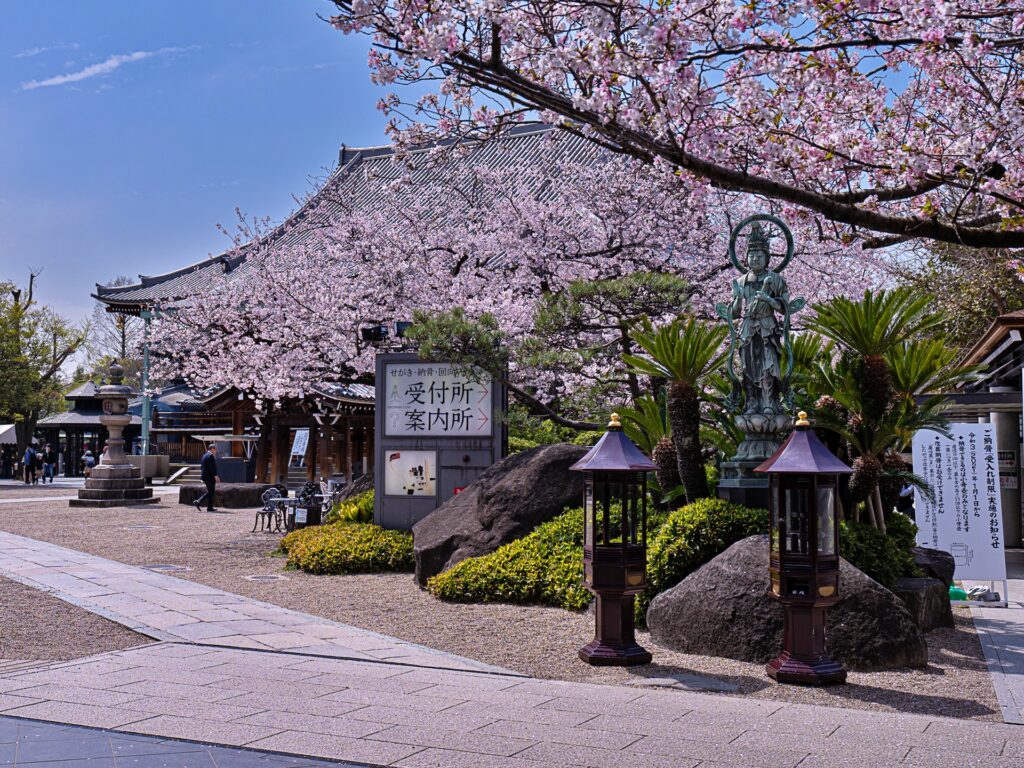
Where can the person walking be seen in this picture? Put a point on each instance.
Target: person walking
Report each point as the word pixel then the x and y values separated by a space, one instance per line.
pixel 38 468
pixel 49 463
pixel 29 465
pixel 88 462
pixel 208 467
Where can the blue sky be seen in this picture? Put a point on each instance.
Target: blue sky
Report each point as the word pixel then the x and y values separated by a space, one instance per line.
pixel 130 129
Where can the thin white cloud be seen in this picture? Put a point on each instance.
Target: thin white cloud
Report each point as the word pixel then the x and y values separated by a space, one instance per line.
pixel 95 70
pixel 30 52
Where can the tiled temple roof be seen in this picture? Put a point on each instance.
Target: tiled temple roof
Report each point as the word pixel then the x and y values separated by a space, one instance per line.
pixel 360 179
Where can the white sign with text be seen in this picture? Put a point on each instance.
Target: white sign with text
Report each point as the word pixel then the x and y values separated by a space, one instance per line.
pixel 436 400
pixel 965 517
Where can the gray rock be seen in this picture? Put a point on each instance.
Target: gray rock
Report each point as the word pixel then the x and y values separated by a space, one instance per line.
pixel 927 600
pixel 507 501
pixel 228 495
pixel 724 609
pixel 935 563
pixel 361 485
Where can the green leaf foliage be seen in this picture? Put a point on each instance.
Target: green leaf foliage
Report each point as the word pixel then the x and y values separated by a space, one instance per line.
pixel 884 557
pixel 544 567
pixel 690 537
pixel 348 548
pixel 358 509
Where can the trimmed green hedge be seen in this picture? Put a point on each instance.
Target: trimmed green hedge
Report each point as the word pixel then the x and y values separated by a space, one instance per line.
pixel 544 567
pixel 348 548
pixel 691 536
pixel 884 557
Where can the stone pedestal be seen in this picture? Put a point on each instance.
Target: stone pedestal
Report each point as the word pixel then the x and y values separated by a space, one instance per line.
pixel 114 482
pixel 739 484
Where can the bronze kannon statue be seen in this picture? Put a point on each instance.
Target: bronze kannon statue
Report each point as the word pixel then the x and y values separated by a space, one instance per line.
pixel 759 320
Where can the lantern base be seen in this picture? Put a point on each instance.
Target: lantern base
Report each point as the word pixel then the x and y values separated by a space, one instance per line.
pixel 598 654
pixel 818 671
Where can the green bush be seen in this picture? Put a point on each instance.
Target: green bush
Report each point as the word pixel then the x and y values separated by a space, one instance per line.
pixel 690 537
pixel 348 548
pixel 358 509
pixel 884 557
pixel 544 567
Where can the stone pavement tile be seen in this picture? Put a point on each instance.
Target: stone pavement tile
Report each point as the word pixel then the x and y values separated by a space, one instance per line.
pixel 881 746
pixel 760 757
pixel 235 669
pixel 606 694
pixel 298 690
pixel 723 732
pixel 169 726
pixel 216 614
pixel 708 702
pixel 465 679
pixel 32 751
pixel 222 711
pixel 178 691
pixel 384 684
pixel 196 631
pixel 981 741
pixel 165 619
pixel 441 720
pixel 174 760
pixel 324 707
pixel 11 701
pixel 336 747
pixel 75 695
pixel 337 726
pixel 78 714
pixel 239 641
pixel 170 673
pixel 7 753
pixel 499 698
pixel 88 762
pixel 626 711
pixel 948 758
pixel 362 697
pixel 562 734
pixel 445 758
pixel 344 667
pixel 465 742
pixel 521 714
pixel 284 641
pixel 124 745
pixel 601 758
pixel 845 760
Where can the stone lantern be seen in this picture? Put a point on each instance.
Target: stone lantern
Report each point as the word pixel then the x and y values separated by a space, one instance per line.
pixel 804 558
pixel 115 482
pixel 615 544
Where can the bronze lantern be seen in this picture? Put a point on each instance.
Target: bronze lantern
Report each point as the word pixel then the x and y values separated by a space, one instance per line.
pixel 615 544
pixel 804 560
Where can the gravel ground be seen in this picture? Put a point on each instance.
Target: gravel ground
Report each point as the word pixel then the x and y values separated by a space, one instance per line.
pixel 542 642
pixel 35 626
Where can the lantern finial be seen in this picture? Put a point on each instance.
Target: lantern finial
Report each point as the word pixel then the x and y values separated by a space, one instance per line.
pixel 615 423
pixel 802 420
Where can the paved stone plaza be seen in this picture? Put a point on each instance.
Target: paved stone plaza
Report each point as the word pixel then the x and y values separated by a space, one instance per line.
pixel 234 672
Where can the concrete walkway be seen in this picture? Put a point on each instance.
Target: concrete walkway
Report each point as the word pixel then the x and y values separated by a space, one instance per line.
pixel 306 686
pixel 172 609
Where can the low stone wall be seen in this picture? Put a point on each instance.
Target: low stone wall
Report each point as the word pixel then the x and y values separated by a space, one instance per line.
pixel 228 496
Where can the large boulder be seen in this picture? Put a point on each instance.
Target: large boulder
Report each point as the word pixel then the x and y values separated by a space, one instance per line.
pixel 359 486
pixel 927 600
pixel 507 501
pixel 227 495
pixel 935 564
pixel 724 609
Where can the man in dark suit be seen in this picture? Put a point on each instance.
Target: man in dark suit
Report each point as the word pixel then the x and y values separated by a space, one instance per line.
pixel 209 476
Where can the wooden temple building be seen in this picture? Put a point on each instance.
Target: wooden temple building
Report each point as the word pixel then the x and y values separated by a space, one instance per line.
pixel 338 415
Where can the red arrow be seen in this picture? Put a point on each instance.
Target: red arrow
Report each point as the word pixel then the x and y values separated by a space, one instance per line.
pixel 485 394
pixel 483 416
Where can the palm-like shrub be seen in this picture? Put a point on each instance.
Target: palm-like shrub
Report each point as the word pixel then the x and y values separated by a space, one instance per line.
pixel 685 352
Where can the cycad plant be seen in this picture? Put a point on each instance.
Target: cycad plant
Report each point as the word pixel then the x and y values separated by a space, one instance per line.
pixel 685 352
pixel 646 424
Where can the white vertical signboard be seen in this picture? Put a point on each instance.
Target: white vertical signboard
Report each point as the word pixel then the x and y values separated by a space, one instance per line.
pixel 965 517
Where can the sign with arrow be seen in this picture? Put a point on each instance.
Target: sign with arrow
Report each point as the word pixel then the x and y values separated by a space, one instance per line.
pixel 436 400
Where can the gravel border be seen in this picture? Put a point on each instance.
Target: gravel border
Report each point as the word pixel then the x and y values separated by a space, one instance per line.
pixel 538 641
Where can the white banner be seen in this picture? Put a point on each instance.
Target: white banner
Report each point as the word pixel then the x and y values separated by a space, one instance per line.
pixel 436 400
pixel 965 517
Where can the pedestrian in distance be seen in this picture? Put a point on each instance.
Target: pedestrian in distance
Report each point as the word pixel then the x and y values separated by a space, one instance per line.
pixel 208 469
pixel 88 462
pixel 38 468
pixel 29 465
pixel 49 463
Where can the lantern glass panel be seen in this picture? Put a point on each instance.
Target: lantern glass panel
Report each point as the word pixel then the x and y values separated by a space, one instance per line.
pixel 775 516
pixel 796 520
pixel 588 512
pixel 826 520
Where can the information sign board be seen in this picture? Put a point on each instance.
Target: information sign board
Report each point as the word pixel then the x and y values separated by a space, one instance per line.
pixel 436 400
pixel 410 473
pixel 965 516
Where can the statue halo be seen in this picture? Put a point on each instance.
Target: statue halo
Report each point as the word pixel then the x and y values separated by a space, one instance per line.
pixel 750 220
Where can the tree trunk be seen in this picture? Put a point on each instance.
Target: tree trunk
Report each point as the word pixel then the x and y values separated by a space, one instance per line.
pixel 664 455
pixel 684 416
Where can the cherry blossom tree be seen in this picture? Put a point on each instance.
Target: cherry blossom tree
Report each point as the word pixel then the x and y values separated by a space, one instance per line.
pixel 882 121
pixel 488 242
